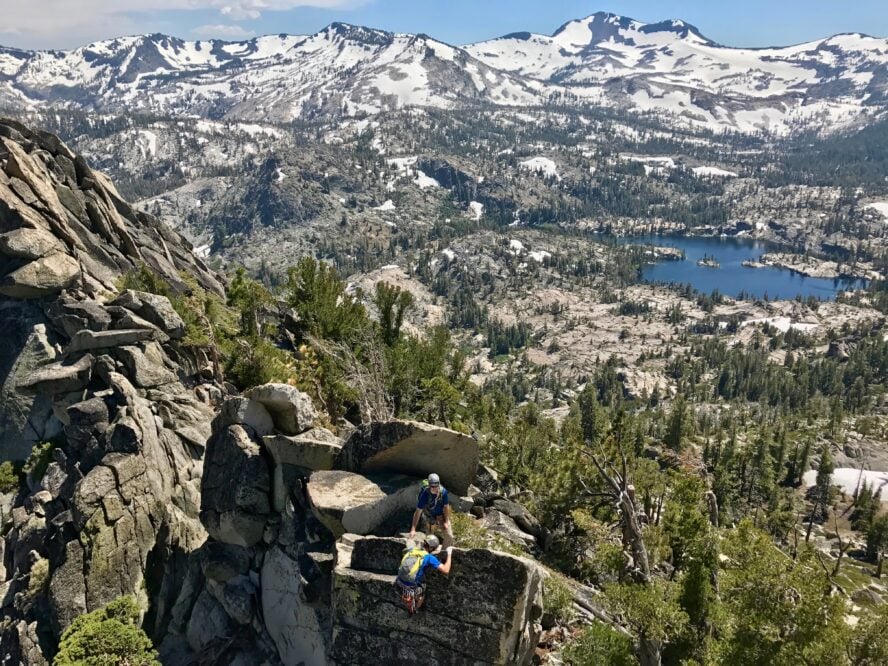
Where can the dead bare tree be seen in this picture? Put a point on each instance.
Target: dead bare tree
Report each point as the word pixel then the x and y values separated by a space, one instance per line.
pixel 622 494
pixel 843 547
pixel 365 374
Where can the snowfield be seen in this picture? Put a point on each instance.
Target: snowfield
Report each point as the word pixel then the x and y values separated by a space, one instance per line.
pixel 847 479
pixel 783 324
pixel 425 181
pixel 542 165
pixel 713 171
pixel 881 207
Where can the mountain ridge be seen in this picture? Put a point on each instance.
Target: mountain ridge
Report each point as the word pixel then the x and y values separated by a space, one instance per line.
pixel 345 70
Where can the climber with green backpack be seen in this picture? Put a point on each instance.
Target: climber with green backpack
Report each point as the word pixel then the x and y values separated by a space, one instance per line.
pixel 433 503
pixel 413 565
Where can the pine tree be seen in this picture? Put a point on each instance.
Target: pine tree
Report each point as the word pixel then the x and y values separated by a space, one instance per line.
pixel 877 542
pixel 802 466
pixel 675 430
pixel 393 303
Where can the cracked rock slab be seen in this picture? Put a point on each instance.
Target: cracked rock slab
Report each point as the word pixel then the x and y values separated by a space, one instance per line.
pixel 41 277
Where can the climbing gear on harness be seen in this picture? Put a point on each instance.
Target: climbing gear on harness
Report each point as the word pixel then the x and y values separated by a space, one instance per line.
pixel 412 596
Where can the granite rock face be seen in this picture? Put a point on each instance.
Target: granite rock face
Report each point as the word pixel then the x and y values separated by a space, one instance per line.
pixel 235 494
pixel 116 510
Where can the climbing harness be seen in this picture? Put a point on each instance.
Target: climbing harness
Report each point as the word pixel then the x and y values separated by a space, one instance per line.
pixel 412 596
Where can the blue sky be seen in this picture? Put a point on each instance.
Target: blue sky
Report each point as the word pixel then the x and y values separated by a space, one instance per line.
pixel 69 23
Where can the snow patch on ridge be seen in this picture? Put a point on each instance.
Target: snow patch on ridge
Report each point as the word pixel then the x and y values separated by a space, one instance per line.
pixel 541 165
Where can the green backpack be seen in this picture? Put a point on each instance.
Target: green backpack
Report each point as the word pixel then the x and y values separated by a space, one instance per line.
pixel 411 564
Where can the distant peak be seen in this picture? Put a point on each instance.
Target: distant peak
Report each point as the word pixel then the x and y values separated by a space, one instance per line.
pixel 605 25
pixel 520 36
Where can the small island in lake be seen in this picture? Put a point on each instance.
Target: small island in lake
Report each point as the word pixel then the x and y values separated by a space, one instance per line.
pixel 708 261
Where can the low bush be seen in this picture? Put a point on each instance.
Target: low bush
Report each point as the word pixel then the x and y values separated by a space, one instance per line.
pixel 108 636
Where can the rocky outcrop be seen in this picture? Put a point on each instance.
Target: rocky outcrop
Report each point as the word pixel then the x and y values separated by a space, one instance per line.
pixel 408 447
pixel 218 512
pixel 486 611
pixel 235 500
pixel 113 507
pixel 64 227
pixel 277 578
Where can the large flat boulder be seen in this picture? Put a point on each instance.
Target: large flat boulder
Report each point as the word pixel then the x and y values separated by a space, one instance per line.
pixel 347 502
pixel 243 411
pixel 61 377
pixel 29 243
pixel 500 523
pixel 41 277
pixel 410 447
pixel 316 449
pixel 487 611
pixel 155 309
pixel 89 340
pixel 146 365
pixel 290 408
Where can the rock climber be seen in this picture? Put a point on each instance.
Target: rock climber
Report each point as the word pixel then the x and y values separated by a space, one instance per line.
pixel 412 569
pixel 434 503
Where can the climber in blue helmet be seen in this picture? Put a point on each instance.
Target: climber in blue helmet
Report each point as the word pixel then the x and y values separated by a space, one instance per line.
pixel 434 503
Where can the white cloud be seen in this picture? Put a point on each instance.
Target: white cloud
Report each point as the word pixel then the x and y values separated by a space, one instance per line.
pixel 239 13
pixel 222 31
pixel 63 23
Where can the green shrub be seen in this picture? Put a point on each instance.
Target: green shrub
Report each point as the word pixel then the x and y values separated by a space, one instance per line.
pixel 599 645
pixel 469 534
pixel 557 598
pixel 37 462
pixel 251 362
pixel 144 279
pixel 38 577
pixel 107 637
pixel 9 479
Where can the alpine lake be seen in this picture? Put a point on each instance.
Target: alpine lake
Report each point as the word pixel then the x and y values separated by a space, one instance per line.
pixel 725 271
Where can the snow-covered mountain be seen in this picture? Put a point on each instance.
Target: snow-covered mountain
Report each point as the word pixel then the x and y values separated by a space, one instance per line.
pixel 341 69
pixel 667 68
pixel 670 66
